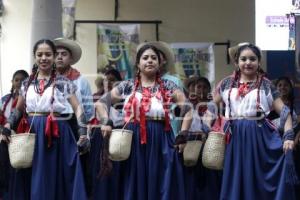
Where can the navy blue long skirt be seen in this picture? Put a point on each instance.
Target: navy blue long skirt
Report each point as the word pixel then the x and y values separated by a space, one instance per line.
pixel 153 170
pixel 202 183
pixel 56 172
pixel 255 166
pixel 19 184
pixel 102 187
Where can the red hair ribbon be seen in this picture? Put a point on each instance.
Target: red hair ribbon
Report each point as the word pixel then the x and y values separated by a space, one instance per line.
pixel 2 119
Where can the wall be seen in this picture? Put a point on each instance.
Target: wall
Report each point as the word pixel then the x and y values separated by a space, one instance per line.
pixel 14 40
pixel 182 21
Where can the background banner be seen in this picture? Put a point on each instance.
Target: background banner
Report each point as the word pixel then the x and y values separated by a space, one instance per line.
pixel 194 59
pixel 68 17
pixel 117 46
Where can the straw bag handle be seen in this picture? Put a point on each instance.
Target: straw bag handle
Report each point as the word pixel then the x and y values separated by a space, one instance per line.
pixel 130 118
pixel 193 136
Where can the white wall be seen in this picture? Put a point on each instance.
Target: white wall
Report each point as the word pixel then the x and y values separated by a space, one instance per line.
pixel 14 40
pixel 182 21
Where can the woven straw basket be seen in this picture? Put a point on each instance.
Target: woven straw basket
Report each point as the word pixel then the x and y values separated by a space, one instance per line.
pixel 120 144
pixel 191 152
pixel 21 149
pixel 213 151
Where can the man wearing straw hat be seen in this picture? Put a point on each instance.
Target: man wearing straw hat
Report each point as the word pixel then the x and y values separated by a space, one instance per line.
pixel 69 53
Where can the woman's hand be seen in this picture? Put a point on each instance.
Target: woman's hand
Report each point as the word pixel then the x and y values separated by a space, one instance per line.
pixel 4 138
pixel 84 144
pixel 297 139
pixel 106 130
pixel 180 141
pixel 5 133
pixel 288 145
pixel 180 147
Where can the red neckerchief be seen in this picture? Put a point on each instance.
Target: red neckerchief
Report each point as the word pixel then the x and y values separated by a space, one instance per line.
pixel 243 89
pixel 23 126
pixel 71 73
pixel 94 121
pixel 42 86
pixel 51 129
pixel 14 103
pixel 202 109
pixel 144 108
pixel 2 119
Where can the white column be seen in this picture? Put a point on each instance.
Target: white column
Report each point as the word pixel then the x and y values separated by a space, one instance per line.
pixel 46 20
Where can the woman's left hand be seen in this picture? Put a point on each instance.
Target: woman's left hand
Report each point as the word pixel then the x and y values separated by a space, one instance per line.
pixel 106 130
pixel 84 144
pixel 297 139
pixel 180 147
pixel 288 145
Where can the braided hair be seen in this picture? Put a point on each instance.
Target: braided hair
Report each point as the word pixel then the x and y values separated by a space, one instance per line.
pixel 137 80
pixel 34 71
pixel 12 90
pixel 237 74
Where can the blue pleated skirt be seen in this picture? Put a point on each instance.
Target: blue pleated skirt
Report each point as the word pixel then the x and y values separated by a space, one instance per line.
pixel 102 187
pixel 255 166
pixel 153 170
pixel 56 172
pixel 19 184
pixel 202 183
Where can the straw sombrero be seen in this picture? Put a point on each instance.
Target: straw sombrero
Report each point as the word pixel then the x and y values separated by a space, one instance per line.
pixel 233 50
pixel 72 46
pixel 165 49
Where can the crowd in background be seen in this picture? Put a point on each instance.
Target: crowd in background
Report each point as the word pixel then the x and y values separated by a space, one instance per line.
pixel 71 159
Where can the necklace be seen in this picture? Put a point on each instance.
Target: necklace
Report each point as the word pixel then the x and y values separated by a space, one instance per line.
pixel 39 85
pixel 245 87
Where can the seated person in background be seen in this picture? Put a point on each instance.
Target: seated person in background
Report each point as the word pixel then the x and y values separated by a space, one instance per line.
pixel 285 87
pixel 100 87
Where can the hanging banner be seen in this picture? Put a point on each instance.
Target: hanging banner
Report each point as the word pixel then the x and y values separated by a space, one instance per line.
pixel 194 59
pixel 68 17
pixel 117 46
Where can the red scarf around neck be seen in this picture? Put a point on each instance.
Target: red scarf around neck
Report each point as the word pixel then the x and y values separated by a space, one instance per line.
pixel 71 73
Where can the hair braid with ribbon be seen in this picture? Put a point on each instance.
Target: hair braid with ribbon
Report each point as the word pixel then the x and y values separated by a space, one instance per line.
pixel 166 101
pixel 132 102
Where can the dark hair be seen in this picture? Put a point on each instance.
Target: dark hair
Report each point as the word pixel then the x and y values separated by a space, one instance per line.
pixel 34 70
pixel 20 72
pixel 196 80
pixel 143 49
pixel 44 41
pixel 284 78
pixel 236 75
pixel 291 93
pixel 11 95
pixel 253 48
pixel 113 71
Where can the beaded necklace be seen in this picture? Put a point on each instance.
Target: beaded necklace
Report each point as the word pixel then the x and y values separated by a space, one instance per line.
pixel 39 86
